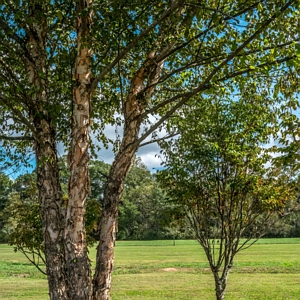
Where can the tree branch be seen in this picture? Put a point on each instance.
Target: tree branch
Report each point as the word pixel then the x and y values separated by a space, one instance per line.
pixel 17 112
pixel 221 12
pixel 173 7
pixel 16 138
pixel 228 59
pixel 219 57
pixel 160 139
pixel 245 43
pixel 245 71
pixel 32 260
pixel 204 32
pixel 202 87
pixel 9 32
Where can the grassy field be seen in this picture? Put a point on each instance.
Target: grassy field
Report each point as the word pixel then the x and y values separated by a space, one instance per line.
pixel 158 270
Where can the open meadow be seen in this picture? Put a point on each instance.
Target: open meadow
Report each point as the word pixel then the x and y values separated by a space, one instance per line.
pixel 153 270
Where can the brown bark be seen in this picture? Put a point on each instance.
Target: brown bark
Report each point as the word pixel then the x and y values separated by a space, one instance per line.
pixel 51 205
pixel 133 109
pixel 108 225
pixel 78 268
pixel 220 283
pixel 50 194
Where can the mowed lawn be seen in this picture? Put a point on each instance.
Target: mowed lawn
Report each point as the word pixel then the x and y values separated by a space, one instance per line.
pixel 153 270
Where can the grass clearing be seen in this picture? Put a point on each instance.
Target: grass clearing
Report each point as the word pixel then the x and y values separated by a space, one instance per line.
pixel 153 270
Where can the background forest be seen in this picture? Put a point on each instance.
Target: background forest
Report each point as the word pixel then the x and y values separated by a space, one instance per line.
pixel 144 214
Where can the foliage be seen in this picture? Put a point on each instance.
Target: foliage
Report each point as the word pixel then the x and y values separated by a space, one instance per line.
pixel 149 61
pixel 24 225
pixel 93 210
pixel 205 46
pixel 140 212
pixel 5 189
pixel 98 175
pixel 224 179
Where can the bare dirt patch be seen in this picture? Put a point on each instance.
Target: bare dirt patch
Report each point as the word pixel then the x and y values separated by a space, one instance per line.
pixel 177 270
pixel 22 275
pixel 170 270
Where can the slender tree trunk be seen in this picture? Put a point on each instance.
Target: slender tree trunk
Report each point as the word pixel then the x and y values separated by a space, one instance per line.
pixel 221 283
pixel 111 199
pixel 133 108
pixel 78 267
pixel 108 225
pixel 50 194
pixel 113 192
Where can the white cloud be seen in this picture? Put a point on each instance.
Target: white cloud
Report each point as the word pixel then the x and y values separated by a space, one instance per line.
pixel 150 157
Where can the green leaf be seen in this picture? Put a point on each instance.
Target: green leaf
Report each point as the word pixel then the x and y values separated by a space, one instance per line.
pixel 59 15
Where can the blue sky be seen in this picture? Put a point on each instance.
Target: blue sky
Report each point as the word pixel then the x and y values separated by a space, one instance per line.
pixel 147 153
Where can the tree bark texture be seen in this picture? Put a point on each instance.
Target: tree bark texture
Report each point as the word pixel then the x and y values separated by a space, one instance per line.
pixel 51 204
pixel 108 225
pixel 78 269
pixel 221 283
pixel 50 193
pixel 133 108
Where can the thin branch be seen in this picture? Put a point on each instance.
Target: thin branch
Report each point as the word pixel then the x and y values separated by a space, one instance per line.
pixel 246 42
pixel 204 32
pixel 33 261
pixel 167 115
pixel 217 59
pixel 138 16
pixel 221 12
pixel 246 9
pixel 202 87
pixel 245 71
pixel 9 32
pixel 203 38
pixel 160 139
pixel 103 174
pixel 16 138
pixel 17 112
pixel 162 104
pixel 11 73
pixel 205 83
pixel 120 79
pixel 172 8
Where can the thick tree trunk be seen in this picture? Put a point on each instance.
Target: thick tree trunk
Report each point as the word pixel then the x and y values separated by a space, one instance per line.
pixel 50 194
pixel 78 269
pixel 51 205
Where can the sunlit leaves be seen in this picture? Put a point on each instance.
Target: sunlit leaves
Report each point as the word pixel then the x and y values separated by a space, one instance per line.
pixel 221 167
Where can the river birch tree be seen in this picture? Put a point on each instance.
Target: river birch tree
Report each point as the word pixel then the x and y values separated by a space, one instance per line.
pixel 119 63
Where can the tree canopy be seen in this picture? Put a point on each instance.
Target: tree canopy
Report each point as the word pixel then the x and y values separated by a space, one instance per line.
pixel 221 175
pixel 69 68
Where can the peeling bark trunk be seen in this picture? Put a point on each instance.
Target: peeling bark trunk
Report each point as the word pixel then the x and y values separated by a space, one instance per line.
pixel 108 224
pixel 78 269
pixel 50 193
pixel 51 205
pixel 133 109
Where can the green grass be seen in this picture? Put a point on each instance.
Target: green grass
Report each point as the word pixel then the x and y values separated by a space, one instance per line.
pixel 154 270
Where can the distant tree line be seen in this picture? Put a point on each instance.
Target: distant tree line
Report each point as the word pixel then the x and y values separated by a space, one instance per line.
pixel 144 214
